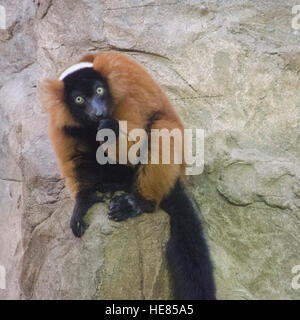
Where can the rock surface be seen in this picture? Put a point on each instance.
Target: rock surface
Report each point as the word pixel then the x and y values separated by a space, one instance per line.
pixel 230 68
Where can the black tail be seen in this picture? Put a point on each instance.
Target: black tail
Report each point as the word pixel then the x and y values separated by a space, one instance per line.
pixel 187 252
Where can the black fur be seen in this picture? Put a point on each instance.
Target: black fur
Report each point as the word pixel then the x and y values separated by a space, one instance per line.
pixel 85 134
pixel 84 83
pixel 187 252
pixel 91 176
pixel 109 123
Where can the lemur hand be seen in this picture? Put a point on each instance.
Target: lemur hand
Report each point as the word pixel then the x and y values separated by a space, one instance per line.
pixel 109 123
pixel 77 224
pixel 128 205
pixel 84 200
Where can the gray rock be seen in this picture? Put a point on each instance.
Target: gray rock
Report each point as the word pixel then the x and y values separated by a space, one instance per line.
pixel 230 68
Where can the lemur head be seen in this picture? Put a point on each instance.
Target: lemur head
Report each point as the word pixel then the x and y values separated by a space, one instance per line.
pixel 86 93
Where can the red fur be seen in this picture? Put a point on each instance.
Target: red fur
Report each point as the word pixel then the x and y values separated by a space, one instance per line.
pixel 136 96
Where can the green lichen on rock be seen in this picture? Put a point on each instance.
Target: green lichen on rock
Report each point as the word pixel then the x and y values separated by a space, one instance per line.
pixel 134 260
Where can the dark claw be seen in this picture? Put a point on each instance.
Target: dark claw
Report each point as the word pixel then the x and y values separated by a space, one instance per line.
pixel 78 226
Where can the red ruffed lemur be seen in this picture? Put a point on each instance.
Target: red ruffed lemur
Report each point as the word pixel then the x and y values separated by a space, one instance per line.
pixel 96 93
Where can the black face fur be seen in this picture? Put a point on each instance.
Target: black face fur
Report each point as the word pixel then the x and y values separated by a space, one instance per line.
pixel 87 95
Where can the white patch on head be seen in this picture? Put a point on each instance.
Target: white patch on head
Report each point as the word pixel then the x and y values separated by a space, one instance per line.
pixel 75 68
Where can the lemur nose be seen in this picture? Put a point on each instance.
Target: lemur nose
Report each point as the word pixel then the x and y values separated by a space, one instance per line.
pixel 99 107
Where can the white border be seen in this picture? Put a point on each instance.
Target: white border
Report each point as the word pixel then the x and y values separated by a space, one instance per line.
pixel 74 68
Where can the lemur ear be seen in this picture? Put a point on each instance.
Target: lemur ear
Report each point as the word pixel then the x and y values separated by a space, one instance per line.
pixel 51 93
pixel 88 58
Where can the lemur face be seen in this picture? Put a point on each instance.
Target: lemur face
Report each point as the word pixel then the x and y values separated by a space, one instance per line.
pixel 87 95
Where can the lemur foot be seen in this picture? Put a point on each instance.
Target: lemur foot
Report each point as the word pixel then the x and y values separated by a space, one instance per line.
pixel 128 205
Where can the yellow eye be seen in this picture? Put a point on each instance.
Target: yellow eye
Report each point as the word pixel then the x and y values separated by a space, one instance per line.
pixel 79 100
pixel 100 91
